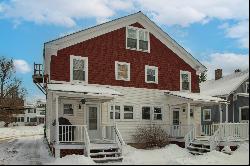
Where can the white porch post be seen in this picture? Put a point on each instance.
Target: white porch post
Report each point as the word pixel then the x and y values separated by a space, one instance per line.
pixel 57 151
pixel 113 119
pixel 226 112
pixel 188 113
pixel 220 113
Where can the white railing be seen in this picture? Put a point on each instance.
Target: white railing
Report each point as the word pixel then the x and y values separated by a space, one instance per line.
pixel 71 133
pixel 209 130
pixel 190 136
pixel 119 139
pixel 178 130
pixel 234 131
pixel 214 140
pixel 87 141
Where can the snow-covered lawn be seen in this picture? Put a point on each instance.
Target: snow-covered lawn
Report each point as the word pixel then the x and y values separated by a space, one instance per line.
pixel 33 150
pixel 19 131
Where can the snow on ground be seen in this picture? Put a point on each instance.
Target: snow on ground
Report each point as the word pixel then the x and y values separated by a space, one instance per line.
pixel 33 150
pixel 17 131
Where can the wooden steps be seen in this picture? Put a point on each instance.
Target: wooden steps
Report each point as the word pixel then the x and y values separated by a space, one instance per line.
pixel 199 147
pixel 107 152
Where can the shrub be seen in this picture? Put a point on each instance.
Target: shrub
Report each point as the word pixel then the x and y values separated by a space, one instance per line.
pixel 151 136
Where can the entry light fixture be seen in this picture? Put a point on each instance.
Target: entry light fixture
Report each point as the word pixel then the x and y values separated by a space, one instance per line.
pixel 83 101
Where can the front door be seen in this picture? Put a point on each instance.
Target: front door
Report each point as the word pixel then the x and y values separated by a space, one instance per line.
pixel 93 121
pixel 176 123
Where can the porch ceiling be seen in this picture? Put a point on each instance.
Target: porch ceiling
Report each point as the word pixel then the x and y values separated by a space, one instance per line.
pixel 195 98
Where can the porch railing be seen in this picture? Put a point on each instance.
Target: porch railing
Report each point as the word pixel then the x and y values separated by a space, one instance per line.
pixel 72 133
pixel 178 130
pixel 190 136
pixel 209 130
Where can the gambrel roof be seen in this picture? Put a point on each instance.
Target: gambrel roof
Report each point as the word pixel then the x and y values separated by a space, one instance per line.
pixel 53 46
pixel 224 86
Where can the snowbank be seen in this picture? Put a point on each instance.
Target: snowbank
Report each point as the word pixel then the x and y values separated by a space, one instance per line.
pixel 73 160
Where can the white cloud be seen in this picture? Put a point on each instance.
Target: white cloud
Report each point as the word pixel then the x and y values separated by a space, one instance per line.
pixel 184 13
pixel 226 61
pixel 240 31
pixel 21 66
pixel 62 12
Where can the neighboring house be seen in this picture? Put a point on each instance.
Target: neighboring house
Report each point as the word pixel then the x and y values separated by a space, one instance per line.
pixel 33 114
pixel 235 89
pixel 104 82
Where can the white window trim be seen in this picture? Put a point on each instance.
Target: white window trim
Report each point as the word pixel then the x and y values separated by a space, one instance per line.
pixel 72 57
pixel 116 70
pixel 240 108
pixel 189 79
pixel 204 110
pixel 156 74
pixel 137 36
pixel 247 84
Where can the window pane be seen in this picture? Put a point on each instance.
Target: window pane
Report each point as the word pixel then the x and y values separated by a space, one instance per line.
pixel 79 75
pixel 151 75
pixel 157 110
pixel 143 45
pixel 207 114
pixel 146 113
pixel 185 85
pixel 245 114
pixel 157 116
pixel 78 64
pixel 122 71
pixel 132 43
pixel 132 34
pixel 92 118
pixel 117 112
pixel 184 78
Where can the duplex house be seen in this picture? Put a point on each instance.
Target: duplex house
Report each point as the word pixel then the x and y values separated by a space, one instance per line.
pixel 235 89
pixel 104 82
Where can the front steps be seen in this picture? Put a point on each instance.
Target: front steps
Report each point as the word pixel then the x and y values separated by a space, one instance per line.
pixel 102 153
pixel 199 146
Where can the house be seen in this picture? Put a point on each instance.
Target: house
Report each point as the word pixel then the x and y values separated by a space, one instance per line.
pixel 32 115
pixel 235 89
pixel 104 82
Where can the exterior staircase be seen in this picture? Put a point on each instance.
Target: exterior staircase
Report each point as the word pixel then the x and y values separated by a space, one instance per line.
pixel 102 153
pixel 199 146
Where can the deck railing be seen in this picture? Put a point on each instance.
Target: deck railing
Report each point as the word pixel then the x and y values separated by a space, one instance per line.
pixel 72 133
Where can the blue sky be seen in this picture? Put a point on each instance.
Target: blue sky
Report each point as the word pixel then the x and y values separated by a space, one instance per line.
pixel 215 32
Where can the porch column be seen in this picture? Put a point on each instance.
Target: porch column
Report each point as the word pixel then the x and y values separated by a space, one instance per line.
pixel 57 151
pixel 226 112
pixel 220 113
pixel 188 113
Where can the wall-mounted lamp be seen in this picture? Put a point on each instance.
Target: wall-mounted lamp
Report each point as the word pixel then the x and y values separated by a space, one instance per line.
pixel 83 101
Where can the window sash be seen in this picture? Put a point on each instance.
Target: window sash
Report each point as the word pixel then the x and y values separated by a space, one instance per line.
pixel 128 112
pixel 185 81
pixel 79 69
pixel 117 112
pixel 137 39
pixel 157 113
pixel 68 109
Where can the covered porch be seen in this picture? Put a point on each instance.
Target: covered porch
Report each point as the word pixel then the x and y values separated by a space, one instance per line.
pixel 78 122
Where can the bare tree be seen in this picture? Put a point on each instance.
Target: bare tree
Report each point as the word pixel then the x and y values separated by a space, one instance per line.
pixel 11 92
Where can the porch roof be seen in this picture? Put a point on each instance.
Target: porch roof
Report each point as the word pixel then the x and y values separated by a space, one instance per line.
pixel 85 89
pixel 196 97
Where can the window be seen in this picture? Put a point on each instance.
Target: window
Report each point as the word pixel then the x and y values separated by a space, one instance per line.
pixel 137 39
pixel 122 71
pixel 22 119
pixel 68 109
pixel 79 68
pixel 185 81
pixel 28 119
pixel 151 74
pixel 117 112
pixel 33 119
pixel 128 112
pixel 146 113
pixel 207 115
pixel 157 113
pixel 247 87
pixel 191 113
pixel 34 110
pixel 244 113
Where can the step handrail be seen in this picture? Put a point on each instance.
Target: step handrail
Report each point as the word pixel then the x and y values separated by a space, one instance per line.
pixel 214 140
pixel 121 142
pixel 190 136
pixel 87 141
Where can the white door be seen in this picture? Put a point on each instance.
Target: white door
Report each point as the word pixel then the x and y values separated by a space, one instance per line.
pixel 176 129
pixel 93 121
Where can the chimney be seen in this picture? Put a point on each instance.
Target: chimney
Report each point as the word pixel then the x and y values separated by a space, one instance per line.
pixel 218 74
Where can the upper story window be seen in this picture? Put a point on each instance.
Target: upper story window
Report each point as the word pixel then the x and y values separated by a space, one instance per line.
pixel 185 81
pixel 122 71
pixel 79 68
pixel 137 39
pixel 151 74
pixel 247 87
